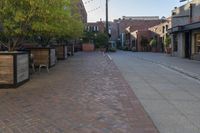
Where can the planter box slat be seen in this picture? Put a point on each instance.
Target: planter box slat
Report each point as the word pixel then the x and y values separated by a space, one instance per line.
pixel 22 66
pixel 6 69
pixel 6 61
pixel 52 57
pixel 61 51
pixel 70 49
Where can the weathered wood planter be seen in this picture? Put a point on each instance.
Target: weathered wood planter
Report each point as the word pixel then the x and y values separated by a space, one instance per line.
pixel 70 49
pixel 88 47
pixel 61 52
pixel 14 69
pixel 44 56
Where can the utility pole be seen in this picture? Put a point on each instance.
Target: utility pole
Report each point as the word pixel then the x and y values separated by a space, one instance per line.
pixel 107 28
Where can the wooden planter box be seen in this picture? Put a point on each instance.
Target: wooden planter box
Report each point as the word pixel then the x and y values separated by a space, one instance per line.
pixel 88 47
pixel 168 50
pixel 61 51
pixel 70 49
pixel 45 56
pixel 14 69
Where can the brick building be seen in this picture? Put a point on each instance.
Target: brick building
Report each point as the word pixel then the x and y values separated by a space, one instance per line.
pixel 95 27
pixel 82 11
pixel 79 6
pixel 127 27
pixel 136 38
pixel 185 31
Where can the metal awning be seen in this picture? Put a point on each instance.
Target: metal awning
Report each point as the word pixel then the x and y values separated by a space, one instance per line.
pixel 192 26
pixel 175 29
pixel 184 28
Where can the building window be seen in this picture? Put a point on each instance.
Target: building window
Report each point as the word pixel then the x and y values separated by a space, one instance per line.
pixel 88 28
pixel 173 13
pixel 163 31
pixel 175 42
pixel 167 27
pixel 197 43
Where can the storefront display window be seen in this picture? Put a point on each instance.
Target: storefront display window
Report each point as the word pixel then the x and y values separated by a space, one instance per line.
pixel 197 43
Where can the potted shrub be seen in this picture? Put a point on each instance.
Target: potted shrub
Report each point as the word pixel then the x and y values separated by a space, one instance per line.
pixel 88 41
pixel 112 49
pixel 101 41
pixel 153 44
pixel 167 44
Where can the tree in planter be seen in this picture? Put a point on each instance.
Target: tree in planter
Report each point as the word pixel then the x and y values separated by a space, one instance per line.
pixel 61 25
pixel 44 19
pixel 144 43
pixel 88 37
pixel 153 44
pixel 167 43
pixel 101 40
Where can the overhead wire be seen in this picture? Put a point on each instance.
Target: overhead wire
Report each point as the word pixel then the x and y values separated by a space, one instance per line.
pixel 86 2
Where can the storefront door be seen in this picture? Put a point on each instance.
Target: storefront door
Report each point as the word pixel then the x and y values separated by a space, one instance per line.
pixel 187 45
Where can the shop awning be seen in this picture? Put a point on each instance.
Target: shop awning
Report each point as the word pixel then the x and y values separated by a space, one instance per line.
pixel 185 28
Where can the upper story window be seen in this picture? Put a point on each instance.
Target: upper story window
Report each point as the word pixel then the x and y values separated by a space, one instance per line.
pixel 173 13
pixel 88 28
pixel 163 30
pixel 97 28
pixel 167 27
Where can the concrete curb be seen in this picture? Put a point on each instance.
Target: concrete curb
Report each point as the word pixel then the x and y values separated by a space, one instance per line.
pixel 175 68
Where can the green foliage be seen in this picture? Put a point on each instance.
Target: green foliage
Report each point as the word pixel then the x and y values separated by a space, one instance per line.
pixel 167 41
pixel 112 49
pixel 101 40
pixel 88 37
pixel 153 42
pixel 44 18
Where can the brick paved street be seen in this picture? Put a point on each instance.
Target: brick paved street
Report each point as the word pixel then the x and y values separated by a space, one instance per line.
pixel 84 94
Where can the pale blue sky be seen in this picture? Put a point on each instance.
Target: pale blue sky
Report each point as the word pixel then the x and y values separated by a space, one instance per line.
pixel 119 8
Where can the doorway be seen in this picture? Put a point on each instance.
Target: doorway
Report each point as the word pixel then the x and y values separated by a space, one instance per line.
pixel 187 44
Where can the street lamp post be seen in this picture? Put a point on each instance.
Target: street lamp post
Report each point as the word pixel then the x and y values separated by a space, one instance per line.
pixel 118 32
pixel 107 17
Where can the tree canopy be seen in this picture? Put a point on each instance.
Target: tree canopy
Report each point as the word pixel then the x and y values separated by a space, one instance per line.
pixel 44 18
pixel 153 42
pixel 167 41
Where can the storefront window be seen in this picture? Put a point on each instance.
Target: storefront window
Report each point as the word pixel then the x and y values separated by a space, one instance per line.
pixel 197 43
pixel 175 42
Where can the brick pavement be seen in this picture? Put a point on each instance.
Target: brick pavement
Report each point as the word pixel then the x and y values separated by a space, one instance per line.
pixel 84 94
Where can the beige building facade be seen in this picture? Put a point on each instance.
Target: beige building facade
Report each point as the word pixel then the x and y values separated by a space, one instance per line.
pixel 160 32
pixel 185 31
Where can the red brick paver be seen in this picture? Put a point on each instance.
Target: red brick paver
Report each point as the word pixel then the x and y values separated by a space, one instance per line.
pixel 85 94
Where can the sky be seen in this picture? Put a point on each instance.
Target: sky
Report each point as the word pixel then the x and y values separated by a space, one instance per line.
pixel 119 8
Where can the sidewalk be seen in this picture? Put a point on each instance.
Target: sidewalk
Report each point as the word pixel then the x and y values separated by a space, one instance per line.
pixel 185 66
pixel 84 94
